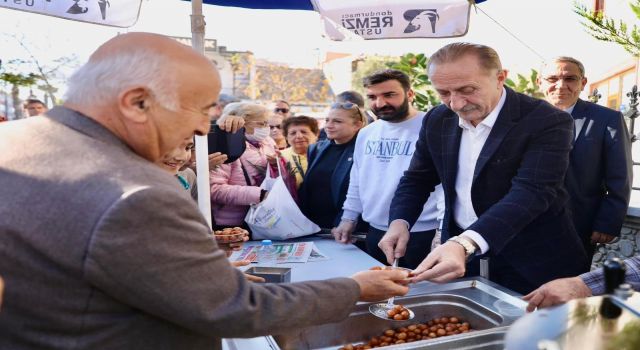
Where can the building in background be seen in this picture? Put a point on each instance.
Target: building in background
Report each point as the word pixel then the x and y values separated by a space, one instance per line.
pixel 616 74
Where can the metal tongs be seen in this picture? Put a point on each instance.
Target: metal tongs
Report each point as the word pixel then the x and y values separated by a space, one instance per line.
pixel 326 233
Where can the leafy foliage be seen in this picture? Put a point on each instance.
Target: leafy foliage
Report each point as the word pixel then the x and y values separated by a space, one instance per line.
pixel 367 66
pixel 20 79
pixel 16 80
pixel 526 85
pixel 299 85
pixel 415 66
pixel 608 29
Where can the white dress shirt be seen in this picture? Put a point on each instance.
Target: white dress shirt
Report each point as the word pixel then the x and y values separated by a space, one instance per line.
pixel 471 143
pixel 577 123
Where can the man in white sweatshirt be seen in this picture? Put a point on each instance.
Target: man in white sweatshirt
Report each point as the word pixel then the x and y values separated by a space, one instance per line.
pixel 382 153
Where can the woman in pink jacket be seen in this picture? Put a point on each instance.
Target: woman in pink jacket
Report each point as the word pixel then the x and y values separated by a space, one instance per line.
pixel 235 186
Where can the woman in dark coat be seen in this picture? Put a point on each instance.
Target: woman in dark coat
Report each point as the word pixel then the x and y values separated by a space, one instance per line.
pixel 327 179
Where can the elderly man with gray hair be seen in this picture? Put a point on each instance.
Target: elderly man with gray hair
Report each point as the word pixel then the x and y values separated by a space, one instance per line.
pixel 599 175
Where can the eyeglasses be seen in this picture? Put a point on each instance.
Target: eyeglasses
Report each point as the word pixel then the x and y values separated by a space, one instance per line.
pixel 350 106
pixel 571 79
pixel 275 127
pixel 281 110
pixel 344 105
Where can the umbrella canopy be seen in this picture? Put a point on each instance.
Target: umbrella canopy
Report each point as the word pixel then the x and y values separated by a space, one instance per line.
pixel 276 4
pixel 366 19
pixel 265 4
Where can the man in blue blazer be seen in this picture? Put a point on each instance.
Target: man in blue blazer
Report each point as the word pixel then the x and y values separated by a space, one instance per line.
pixel 599 176
pixel 501 158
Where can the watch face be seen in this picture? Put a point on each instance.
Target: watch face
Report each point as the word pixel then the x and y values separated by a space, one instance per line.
pixel 469 249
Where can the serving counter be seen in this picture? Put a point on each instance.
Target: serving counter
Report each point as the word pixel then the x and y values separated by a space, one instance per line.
pixel 489 308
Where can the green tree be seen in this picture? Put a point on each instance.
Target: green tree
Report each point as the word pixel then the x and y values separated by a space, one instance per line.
pixel 16 81
pixel 415 66
pixel 608 29
pixel 526 85
pixel 367 66
pixel 49 73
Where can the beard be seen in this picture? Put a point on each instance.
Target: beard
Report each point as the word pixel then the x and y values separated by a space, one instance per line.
pixel 391 113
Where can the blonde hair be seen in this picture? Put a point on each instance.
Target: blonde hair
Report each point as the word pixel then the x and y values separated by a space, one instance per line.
pixel 247 110
pixel 357 113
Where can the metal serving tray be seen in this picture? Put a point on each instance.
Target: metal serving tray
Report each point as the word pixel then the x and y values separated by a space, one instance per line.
pixel 271 274
pixel 488 308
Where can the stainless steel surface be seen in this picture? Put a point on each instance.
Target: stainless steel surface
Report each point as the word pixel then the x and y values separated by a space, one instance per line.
pixel 346 259
pixel 271 274
pixel 484 268
pixel 482 340
pixel 487 308
pixel 576 325
pixel 622 294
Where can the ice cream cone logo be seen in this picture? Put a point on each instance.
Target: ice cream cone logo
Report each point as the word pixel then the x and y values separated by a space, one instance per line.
pixel 421 19
pixel 78 7
pixel 103 8
pixel 81 6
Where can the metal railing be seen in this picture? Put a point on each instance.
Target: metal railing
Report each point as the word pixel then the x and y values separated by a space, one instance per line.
pixel 631 114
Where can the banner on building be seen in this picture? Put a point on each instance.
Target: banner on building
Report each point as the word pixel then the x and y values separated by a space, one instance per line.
pixel 116 13
pixel 367 19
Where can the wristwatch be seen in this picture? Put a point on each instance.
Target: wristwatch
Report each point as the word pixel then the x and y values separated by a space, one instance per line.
pixel 469 248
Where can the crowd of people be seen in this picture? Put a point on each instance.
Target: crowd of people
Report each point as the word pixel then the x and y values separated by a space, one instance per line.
pixel 113 244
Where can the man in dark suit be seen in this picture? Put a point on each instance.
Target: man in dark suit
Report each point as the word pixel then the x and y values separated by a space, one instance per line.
pixel 102 249
pixel 599 176
pixel 501 158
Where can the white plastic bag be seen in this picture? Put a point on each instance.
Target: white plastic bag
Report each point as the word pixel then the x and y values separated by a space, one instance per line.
pixel 269 181
pixel 278 216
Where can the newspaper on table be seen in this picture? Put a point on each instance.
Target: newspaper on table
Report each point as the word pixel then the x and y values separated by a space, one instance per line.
pixel 298 252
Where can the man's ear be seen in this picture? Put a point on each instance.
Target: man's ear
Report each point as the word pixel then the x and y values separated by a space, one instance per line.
pixel 410 95
pixel 502 77
pixel 135 103
pixel 583 82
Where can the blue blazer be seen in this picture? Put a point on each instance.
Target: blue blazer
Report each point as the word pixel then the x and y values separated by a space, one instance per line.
pixel 339 177
pixel 599 176
pixel 518 188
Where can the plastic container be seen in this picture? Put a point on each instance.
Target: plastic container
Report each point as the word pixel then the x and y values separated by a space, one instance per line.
pixel 230 235
pixel 267 253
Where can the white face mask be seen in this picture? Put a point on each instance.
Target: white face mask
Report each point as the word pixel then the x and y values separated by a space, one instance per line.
pixel 259 134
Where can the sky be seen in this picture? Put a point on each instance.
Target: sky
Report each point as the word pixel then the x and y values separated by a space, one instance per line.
pixel 548 27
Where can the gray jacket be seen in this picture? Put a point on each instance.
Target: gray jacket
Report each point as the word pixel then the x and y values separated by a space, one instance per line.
pixel 101 249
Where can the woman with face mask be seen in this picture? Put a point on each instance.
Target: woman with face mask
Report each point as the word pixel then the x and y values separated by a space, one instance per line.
pixel 235 186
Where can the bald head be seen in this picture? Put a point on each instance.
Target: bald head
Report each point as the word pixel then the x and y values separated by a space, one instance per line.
pixel 155 44
pixel 148 89
pixel 135 59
